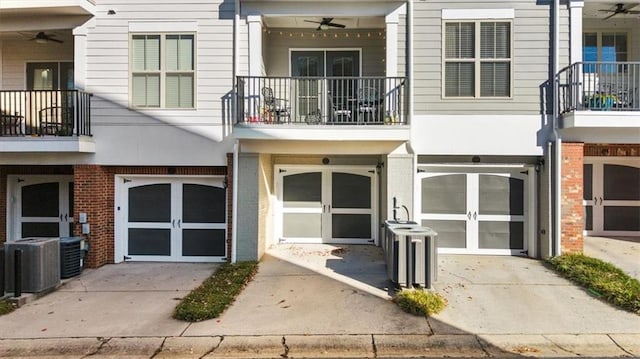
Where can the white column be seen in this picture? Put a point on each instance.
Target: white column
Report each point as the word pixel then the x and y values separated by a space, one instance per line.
pixel 255 45
pixel 0 64
pixel 80 57
pixel 392 44
pixel 575 30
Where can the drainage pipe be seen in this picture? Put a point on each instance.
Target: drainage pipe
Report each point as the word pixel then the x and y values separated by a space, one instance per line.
pixel 236 145
pixel 234 211
pixel 557 137
pixel 409 56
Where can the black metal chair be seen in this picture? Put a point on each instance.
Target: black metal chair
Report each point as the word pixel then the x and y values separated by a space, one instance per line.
pixel 368 105
pixel 275 108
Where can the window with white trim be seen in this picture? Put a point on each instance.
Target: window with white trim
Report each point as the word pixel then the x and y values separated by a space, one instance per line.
pixel 162 70
pixel 477 59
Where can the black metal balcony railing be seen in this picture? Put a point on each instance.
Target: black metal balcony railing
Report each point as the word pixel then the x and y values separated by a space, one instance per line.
pixel 45 112
pixel 599 86
pixel 322 100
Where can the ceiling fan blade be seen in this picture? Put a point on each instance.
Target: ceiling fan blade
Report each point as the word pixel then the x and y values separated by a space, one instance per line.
pixel 634 12
pixel 55 40
pixel 336 25
pixel 315 22
pixel 610 16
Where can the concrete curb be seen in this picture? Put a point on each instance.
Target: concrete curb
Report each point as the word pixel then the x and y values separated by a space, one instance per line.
pixel 330 346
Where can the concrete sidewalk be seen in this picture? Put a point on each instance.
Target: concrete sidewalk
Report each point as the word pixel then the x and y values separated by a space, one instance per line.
pixel 323 301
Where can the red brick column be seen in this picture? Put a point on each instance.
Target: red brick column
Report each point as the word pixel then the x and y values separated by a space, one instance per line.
pixel 572 221
pixel 93 195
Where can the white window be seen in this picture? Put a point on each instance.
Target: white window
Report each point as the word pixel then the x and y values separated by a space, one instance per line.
pixel 162 70
pixel 477 59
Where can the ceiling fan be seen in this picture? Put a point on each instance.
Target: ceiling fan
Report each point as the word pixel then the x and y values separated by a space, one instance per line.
pixel 42 38
pixel 326 23
pixel 620 9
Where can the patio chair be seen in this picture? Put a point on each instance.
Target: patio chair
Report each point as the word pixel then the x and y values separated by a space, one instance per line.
pixel 275 108
pixel 340 111
pixel 368 105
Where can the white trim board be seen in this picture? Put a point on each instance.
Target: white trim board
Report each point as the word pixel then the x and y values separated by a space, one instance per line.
pixel 475 14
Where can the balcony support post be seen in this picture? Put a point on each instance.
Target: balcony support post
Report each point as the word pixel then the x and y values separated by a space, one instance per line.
pixel 80 56
pixel 575 30
pixel 255 45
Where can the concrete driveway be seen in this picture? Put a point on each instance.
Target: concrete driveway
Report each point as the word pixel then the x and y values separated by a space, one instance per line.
pixel 120 300
pixel 623 252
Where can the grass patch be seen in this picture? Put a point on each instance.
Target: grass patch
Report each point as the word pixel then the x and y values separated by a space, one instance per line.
pixel 6 307
pixel 601 279
pixel 216 293
pixel 420 302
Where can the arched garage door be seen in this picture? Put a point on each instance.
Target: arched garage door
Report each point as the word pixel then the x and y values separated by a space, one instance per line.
pixel 171 219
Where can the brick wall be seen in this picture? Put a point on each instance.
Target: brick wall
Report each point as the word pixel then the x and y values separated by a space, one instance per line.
pixel 572 197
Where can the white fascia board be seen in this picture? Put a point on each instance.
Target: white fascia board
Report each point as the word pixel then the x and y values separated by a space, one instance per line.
pixel 163 26
pixel 473 14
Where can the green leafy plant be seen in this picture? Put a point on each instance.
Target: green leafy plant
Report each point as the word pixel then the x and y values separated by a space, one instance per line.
pixel 6 307
pixel 601 279
pixel 216 293
pixel 420 302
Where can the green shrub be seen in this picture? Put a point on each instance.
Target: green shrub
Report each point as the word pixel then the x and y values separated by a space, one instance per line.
pixel 6 307
pixel 601 279
pixel 216 293
pixel 420 302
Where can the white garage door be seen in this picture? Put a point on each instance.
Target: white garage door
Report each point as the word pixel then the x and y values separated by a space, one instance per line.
pixel 477 213
pixel 171 219
pixel 612 196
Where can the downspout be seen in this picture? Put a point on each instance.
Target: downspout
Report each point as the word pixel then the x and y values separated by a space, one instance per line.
pixel 236 145
pixel 234 212
pixel 557 212
pixel 410 58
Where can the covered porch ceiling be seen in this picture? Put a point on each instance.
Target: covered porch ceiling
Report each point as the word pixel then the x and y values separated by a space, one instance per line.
pixel 602 9
pixel 41 15
pixel 312 22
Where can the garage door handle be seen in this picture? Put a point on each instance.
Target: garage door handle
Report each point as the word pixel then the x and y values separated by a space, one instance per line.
pixel 173 223
pixel 475 215
pixel 178 223
pixel 601 201
pixel 469 215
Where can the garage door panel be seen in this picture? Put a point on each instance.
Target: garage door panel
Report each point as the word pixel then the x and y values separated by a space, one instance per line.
pixel 451 234
pixel 500 195
pixel 621 182
pixel 197 203
pixel 350 190
pixel 40 229
pixel 149 242
pixel 621 218
pixel 501 235
pixel 351 225
pixel 41 200
pixel 444 194
pixel 302 225
pixel 204 242
pixel 150 203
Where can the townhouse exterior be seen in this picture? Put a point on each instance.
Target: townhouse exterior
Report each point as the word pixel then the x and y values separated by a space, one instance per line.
pixel 210 130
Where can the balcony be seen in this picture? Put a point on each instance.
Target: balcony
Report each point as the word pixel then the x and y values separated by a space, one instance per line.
pixel 322 100
pixel 45 120
pixel 599 95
